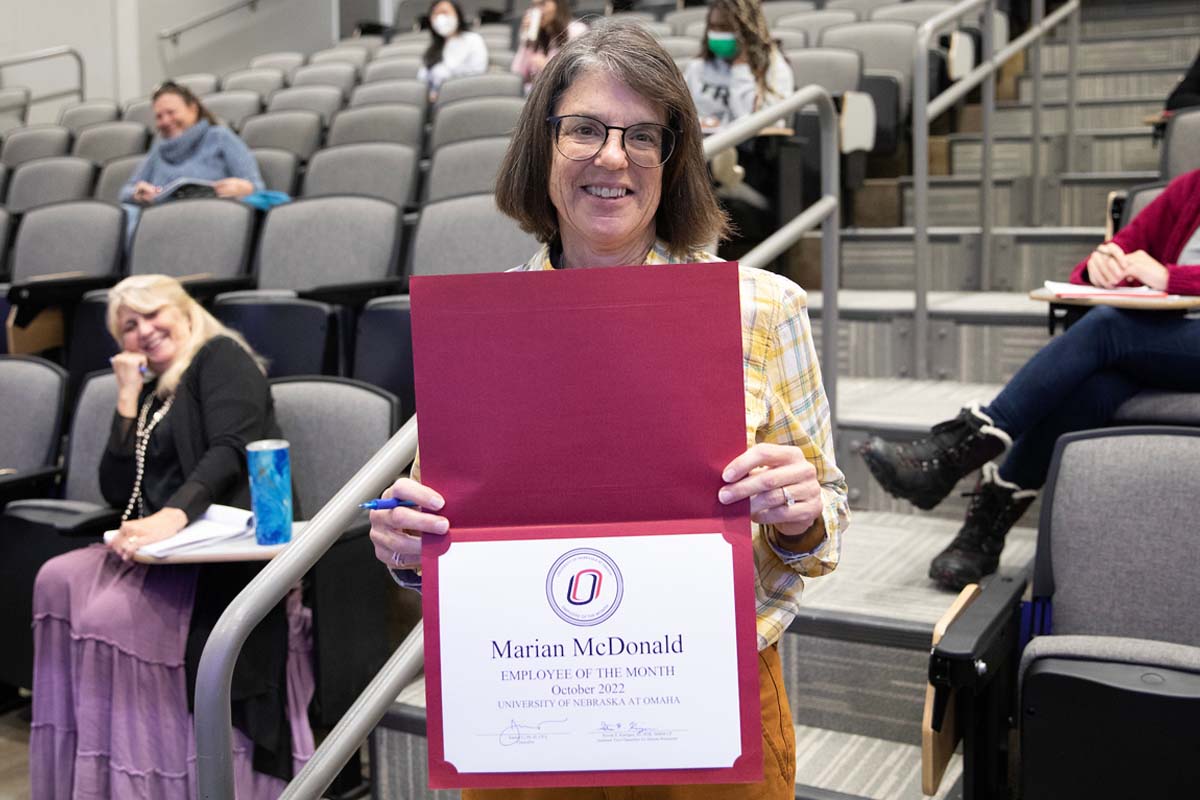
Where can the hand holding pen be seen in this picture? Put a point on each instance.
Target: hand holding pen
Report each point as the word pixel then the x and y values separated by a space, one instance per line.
pixel 400 518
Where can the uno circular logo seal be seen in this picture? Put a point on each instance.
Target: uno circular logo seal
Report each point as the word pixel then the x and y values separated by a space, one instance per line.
pixel 584 587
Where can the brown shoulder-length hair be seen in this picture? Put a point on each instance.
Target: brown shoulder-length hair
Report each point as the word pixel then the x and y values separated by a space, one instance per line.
pixel 188 97
pixel 556 29
pixel 688 215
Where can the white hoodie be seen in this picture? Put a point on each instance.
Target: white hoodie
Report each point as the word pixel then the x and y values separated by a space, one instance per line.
pixel 727 92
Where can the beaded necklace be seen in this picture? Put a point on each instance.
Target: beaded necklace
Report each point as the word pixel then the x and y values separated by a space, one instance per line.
pixel 141 442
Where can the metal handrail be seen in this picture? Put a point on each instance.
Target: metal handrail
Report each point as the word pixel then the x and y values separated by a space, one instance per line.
pixel 825 212
pixel 41 55
pixel 925 109
pixel 214 723
pixel 173 33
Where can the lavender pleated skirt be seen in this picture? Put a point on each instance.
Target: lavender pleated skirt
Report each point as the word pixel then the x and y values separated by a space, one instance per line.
pixel 110 710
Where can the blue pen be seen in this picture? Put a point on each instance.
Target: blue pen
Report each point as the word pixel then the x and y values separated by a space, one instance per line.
pixel 385 503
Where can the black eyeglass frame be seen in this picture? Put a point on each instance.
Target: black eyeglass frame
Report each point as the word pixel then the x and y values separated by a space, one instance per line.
pixel 556 121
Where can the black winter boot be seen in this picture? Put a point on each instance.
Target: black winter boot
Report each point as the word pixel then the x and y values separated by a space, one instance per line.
pixel 925 471
pixel 996 505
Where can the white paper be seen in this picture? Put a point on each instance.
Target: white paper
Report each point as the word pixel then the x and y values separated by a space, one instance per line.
pixel 224 529
pixel 520 691
pixel 1079 290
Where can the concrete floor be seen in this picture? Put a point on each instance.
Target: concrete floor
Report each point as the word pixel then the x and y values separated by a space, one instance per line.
pixel 14 757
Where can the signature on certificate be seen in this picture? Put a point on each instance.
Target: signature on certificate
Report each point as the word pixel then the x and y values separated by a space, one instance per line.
pixel 630 730
pixel 526 733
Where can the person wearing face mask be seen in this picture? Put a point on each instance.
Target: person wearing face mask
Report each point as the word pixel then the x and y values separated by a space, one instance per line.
pixel 117 643
pixel 454 51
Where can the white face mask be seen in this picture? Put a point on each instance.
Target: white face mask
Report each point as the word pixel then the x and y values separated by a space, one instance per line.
pixel 444 24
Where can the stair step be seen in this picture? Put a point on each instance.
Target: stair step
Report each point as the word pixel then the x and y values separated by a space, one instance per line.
pixel 1122 51
pixel 1016 118
pixel 1117 150
pixel 1107 84
pixel 882 258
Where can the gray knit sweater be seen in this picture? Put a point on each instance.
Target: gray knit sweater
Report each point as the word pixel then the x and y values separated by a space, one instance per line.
pixel 203 151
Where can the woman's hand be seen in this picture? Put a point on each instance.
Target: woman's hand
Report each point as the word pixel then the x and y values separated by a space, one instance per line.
pixel 135 533
pixel 783 490
pixel 127 366
pixel 1145 268
pixel 144 192
pixel 1106 266
pixel 396 533
pixel 233 187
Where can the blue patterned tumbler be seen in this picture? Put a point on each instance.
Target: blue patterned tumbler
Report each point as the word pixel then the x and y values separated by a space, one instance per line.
pixel 270 490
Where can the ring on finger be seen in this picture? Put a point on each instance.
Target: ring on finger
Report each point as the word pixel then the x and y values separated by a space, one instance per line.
pixel 787 497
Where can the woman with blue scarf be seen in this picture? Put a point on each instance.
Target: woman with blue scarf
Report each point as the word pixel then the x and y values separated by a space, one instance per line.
pixel 190 145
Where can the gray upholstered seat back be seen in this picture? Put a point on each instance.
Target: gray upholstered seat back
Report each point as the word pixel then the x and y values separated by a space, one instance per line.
pixel 37 141
pixel 861 7
pixel 263 80
pixel 475 119
pixel 390 122
pixel 297 132
pixel 5 223
pixel 278 168
pixel 113 177
pixel 198 83
pixel 813 22
pixel 31 394
pixel 286 61
pixel 405 48
pixel 90 429
pixel 50 180
pixel 886 46
pixel 680 47
pixel 1117 543
pixel 343 54
pixel 466 235
pixel 312 413
pixel 1138 198
pixel 193 237
pixel 105 141
pixel 338 74
pixel 782 8
pixel 234 106
pixel 395 68
pixel 328 240
pixel 325 100
pixel 399 90
pixel 82 236
pixel 916 12
pixel 492 84
pixel 378 169
pixel 679 20
pixel 14 107
pixel 466 168
pixel 141 110
pixel 1181 147
pixel 80 115
pixel 836 69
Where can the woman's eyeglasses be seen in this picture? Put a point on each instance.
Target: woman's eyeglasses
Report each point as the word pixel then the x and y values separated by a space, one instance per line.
pixel 581 138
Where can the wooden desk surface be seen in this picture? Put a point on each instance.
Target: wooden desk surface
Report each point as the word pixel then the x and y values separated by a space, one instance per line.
pixel 1169 303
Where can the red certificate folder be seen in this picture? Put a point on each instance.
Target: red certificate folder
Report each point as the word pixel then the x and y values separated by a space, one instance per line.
pixel 574 404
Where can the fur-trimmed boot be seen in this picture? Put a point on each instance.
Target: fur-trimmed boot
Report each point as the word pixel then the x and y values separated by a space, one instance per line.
pixel 926 470
pixel 996 505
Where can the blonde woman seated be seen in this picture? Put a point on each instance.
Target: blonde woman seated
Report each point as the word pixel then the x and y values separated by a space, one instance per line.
pixel 116 642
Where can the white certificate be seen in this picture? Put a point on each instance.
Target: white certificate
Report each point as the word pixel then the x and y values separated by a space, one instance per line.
pixel 589 654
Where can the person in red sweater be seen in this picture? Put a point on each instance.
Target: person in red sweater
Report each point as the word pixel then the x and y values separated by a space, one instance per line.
pixel 1075 382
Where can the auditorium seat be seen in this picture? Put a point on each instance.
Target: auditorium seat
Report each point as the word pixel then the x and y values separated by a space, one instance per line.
pixel 681 48
pixel 373 169
pixel 141 110
pixel 298 132
pixel 203 237
pixel 404 91
pixel 279 169
pixel 81 237
pixel 263 80
pixel 32 531
pixel 35 141
pixel 50 180
pixel 369 42
pixel 6 224
pixel 782 8
pixel 287 62
pixel 356 57
pixel 233 106
pixel 3 190
pixel 862 8
pixel 835 69
pixel 318 258
pixel 887 51
pixel 386 319
pixel 1138 198
pixel 387 69
pixel 656 29
pixel 113 177
pixel 32 394
pixel 395 123
pixel 80 115
pixel 341 75
pixel 679 20
pixel 813 22
pixel 466 235
pixel 1112 673
pixel 410 49
pixel 1181 144
pixel 465 168
pixel 198 83
pixel 789 39
pixel 476 118
pixel 492 84
pixel 14 107
pixel 325 100
pixel 101 142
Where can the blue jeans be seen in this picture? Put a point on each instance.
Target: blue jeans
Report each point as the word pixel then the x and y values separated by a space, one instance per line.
pixel 1079 379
